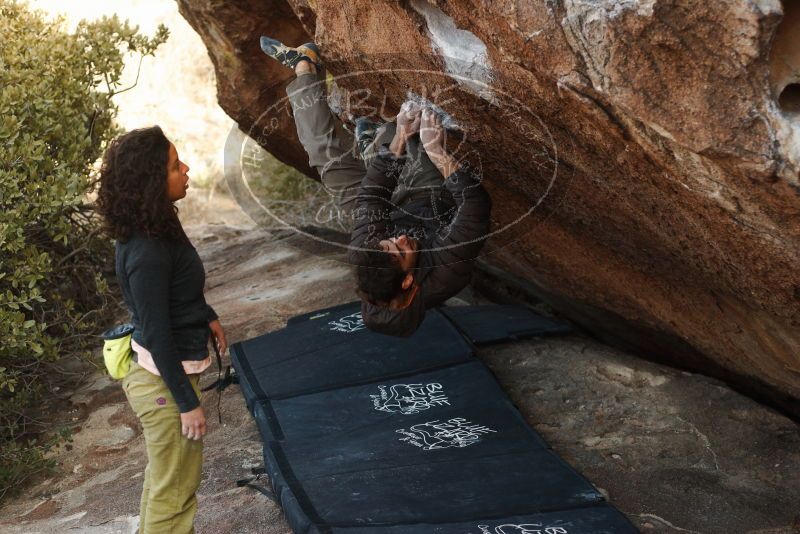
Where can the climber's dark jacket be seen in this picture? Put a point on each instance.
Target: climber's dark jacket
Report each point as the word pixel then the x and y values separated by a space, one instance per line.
pixel 450 229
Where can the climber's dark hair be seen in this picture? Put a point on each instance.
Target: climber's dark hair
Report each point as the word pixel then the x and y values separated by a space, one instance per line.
pixel 133 187
pixel 378 277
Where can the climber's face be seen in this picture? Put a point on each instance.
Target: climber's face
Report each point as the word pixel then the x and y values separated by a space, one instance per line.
pixel 403 250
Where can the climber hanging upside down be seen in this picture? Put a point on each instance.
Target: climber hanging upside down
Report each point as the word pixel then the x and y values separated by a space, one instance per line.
pixel 419 215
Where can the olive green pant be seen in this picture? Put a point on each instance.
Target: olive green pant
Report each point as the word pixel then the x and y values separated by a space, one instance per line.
pixel 174 462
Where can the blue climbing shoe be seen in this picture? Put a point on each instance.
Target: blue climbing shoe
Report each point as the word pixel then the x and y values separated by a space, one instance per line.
pixel 290 56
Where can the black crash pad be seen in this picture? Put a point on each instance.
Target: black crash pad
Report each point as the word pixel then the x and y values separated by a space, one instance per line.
pixel 488 429
pixel 337 351
pixel 370 434
pixel 387 401
pixel 600 519
pixel 492 323
pixel 454 485
pixel 341 310
pixel 481 324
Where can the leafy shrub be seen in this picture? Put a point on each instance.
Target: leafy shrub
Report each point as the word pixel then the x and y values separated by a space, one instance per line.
pixel 286 194
pixel 56 115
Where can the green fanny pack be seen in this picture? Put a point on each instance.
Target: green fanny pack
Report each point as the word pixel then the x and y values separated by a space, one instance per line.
pixel 117 351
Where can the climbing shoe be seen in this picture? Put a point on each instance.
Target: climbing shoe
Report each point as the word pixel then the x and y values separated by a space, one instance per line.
pixel 290 56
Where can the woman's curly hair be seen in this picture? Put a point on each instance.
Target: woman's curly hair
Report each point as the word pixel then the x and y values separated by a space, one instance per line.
pixel 133 187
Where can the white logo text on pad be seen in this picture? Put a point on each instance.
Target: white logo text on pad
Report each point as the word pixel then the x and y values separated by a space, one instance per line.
pixel 348 324
pixel 527 528
pixel 409 399
pixel 455 432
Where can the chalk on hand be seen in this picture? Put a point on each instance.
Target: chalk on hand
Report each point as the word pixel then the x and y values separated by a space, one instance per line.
pixel 448 122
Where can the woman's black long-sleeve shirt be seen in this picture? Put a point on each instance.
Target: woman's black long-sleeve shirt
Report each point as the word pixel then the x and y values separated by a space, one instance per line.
pixel 162 284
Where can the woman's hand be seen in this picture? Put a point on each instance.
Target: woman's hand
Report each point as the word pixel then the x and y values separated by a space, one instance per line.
pixel 218 333
pixel 193 424
pixel 432 136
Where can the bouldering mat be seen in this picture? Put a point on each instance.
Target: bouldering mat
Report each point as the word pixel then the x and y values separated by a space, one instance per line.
pixel 461 386
pixel 599 519
pixel 342 310
pixel 453 484
pixel 316 355
pixel 492 323
pixel 481 324
pixel 370 434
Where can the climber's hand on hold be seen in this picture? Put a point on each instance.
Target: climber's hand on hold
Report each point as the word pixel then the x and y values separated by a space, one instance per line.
pixel 434 140
pixel 408 120
pixel 432 135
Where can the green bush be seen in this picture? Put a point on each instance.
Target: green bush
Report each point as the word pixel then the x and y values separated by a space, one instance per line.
pixel 56 115
pixel 288 196
pixel 276 181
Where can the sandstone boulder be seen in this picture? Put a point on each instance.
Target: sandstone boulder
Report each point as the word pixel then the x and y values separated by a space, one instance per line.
pixel 642 155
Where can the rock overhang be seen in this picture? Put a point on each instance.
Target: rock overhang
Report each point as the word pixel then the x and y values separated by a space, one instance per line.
pixel 677 201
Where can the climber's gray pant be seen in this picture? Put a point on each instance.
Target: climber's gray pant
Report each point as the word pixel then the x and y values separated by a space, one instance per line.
pixel 333 152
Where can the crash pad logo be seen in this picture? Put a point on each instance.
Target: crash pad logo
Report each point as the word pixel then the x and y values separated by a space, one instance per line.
pixel 527 528
pixel 348 324
pixel 455 432
pixel 409 399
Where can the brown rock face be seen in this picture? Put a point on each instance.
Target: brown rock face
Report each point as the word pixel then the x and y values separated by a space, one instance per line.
pixel 642 156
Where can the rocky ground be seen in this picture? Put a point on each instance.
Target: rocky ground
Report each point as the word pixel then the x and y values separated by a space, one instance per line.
pixel 676 452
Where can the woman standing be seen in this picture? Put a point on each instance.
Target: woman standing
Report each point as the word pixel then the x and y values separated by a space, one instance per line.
pixel 162 279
